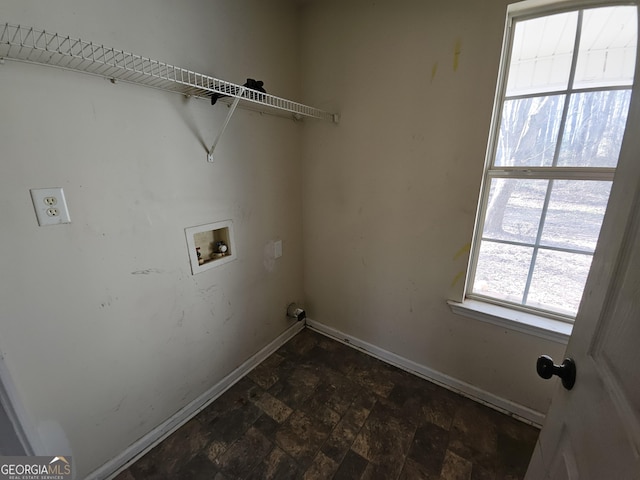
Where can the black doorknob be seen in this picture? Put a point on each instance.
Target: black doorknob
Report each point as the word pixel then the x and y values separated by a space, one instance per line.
pixel 566 371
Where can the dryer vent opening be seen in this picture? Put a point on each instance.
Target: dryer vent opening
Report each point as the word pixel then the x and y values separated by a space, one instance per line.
pixel 293 311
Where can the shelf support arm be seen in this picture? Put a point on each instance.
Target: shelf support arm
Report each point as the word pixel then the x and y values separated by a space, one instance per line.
pixel 232 109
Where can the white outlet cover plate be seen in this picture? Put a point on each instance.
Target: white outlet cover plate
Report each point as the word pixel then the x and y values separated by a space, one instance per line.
pixel 50 206
pixel 277 249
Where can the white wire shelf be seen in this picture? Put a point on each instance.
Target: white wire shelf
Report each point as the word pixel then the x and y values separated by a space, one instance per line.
pixel 27 44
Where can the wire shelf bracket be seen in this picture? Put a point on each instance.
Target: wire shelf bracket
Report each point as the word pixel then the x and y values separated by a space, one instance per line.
pixel 232 109
pixel 27 44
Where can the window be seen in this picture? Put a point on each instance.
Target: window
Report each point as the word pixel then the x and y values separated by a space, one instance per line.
pixel 558 123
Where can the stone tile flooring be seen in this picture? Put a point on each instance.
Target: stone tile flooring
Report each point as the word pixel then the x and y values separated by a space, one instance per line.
pixel 317 409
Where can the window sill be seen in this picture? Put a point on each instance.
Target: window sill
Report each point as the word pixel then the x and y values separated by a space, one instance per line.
pixel 528 323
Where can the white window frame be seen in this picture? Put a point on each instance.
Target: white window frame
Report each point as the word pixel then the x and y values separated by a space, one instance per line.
pixel 545 324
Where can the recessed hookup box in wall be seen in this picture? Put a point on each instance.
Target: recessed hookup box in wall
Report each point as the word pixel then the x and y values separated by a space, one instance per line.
pixel 210 245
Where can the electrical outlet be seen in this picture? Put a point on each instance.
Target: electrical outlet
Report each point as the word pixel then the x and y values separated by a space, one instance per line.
pixel 50 206
pixel 277 249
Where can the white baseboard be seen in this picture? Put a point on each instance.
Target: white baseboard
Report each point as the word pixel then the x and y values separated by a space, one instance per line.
pixel 503 405
pixel 135 451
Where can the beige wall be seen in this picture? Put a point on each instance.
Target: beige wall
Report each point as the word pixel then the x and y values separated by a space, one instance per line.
pixel 390 194
pixel 104 330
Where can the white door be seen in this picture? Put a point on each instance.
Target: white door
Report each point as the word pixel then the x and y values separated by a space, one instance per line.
pixel 593 430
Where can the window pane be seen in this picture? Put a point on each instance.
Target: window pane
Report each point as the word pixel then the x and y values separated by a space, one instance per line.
pixel 541 54
pixel 594 129
pixel 529 131
pixel 558 110
pixel 575 213
pixel 502 271
pixel 558 281
pixel 607 47
pixel 514 209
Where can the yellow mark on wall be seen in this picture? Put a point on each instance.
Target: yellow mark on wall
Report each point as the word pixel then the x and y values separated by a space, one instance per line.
pixel 456 54
pixel 465 248
pixel 457 278
pixel 434 69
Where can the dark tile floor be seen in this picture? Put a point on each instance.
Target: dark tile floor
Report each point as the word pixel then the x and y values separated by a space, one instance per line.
pixel 317 409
